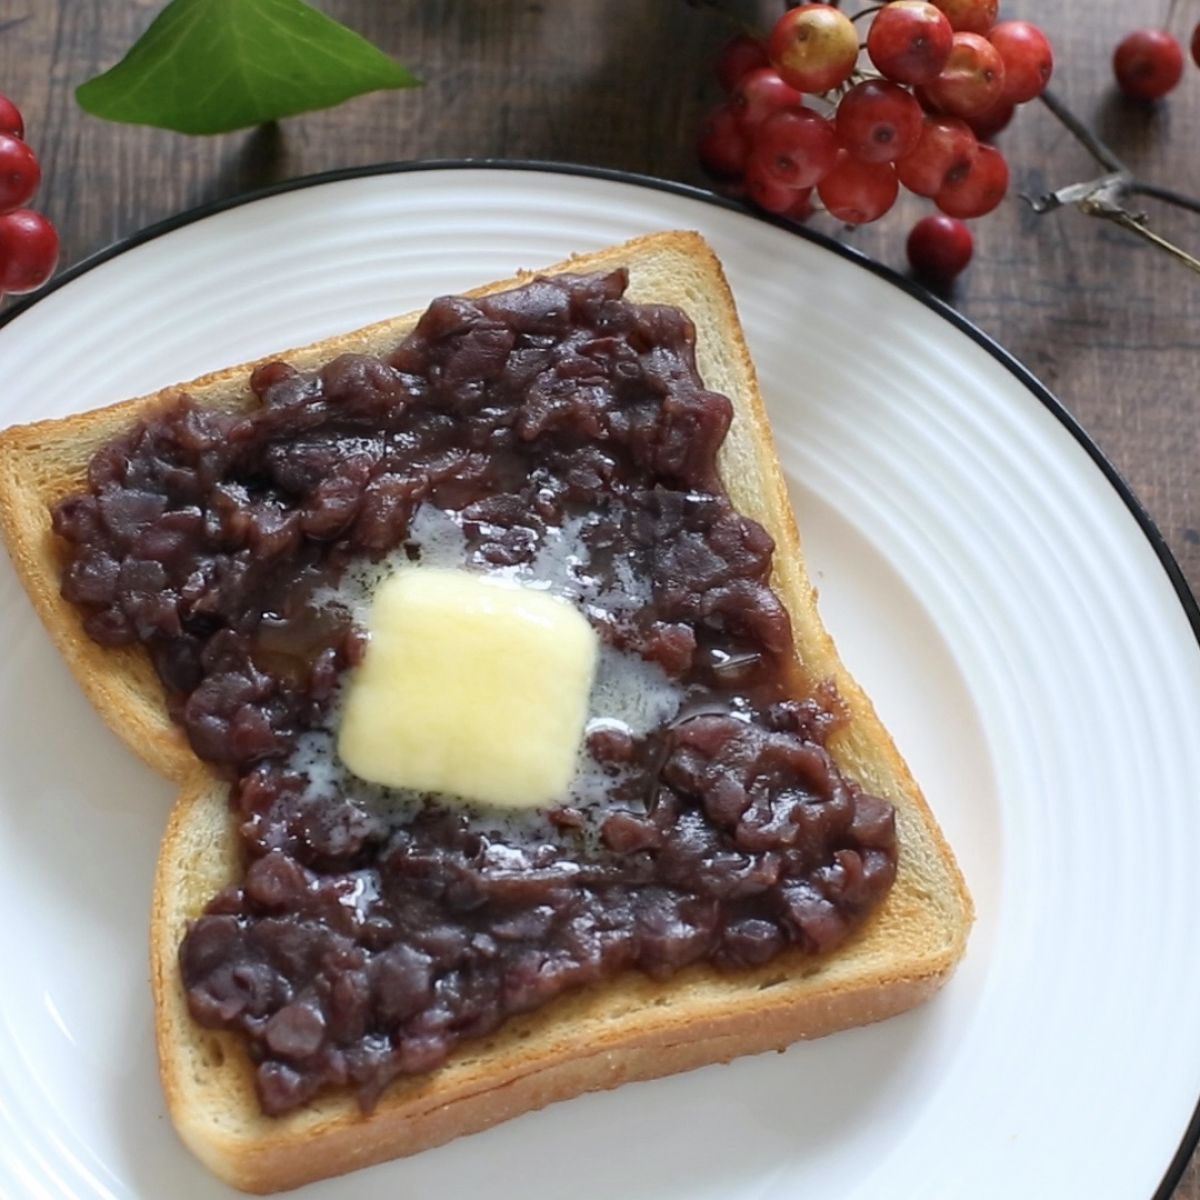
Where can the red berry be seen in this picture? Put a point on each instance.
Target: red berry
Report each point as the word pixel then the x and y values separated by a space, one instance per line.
pixel 814 47
pixel 765 192
pixel 979 190
pixel 759 94
pixel 970 16
pixel 944 153
pixel 1028 60
pixel 28 251
pixel 795 148
pixel 878 121
pixel 857 192
pixel 910 41
pixel 739 56
pixel 1148 64
pixel 723 146
pixel 972 80
pixel 19 173
pixel 939 248
pixel 986 125
pixel 1196 45
pixel 10 118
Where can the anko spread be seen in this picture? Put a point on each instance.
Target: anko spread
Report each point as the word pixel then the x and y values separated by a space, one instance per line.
pixel 670 797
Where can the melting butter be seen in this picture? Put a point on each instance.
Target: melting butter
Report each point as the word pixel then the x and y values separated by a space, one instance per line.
pixel 472 686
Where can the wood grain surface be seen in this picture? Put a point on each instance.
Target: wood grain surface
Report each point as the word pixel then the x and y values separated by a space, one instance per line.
pixel 1109 324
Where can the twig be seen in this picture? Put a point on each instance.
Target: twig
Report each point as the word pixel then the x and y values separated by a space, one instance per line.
pixel 1098 149
pixel 1104 197
pixel 1139 187
pixel 1138 226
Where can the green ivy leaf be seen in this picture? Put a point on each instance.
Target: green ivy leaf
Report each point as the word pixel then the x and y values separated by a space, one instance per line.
pixel 209 66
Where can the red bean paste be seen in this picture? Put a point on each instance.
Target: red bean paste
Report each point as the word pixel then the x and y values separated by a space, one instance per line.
pixel 364 941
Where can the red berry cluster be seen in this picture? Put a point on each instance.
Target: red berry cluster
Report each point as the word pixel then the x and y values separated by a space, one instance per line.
pixel 28 242
pixel 1148 63
pixel 945 77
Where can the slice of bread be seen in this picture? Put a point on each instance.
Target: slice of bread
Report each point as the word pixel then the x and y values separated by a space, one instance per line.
pixel 627 1029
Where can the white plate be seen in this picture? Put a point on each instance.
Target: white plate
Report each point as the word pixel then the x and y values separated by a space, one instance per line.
pixel 987 582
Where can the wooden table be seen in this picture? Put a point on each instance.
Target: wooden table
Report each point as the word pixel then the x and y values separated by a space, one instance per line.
pixel 1110 325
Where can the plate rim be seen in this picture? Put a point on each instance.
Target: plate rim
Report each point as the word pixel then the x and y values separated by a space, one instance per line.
pixel 189 216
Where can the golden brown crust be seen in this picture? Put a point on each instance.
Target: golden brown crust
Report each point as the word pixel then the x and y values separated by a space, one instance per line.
pixel 632 1027
pixel 121 684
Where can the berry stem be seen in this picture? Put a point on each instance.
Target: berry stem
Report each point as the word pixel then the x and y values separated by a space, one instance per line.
pixel 1104 197
pixel 1107 158
pixel 1139 187
pixel 1137 224
pixel 1097 148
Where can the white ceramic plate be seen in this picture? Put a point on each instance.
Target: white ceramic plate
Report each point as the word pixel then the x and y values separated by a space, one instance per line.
pixel 987 581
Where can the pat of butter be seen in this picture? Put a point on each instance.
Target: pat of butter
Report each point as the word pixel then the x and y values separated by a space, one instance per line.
pixel 471 687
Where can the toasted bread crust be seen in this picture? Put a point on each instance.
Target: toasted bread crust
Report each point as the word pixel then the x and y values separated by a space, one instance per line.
pixel 632 1028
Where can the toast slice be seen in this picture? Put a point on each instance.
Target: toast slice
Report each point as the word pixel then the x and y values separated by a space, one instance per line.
pixel 629 1028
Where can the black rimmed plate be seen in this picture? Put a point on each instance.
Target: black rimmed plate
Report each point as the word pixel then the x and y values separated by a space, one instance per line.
pixel 989 579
